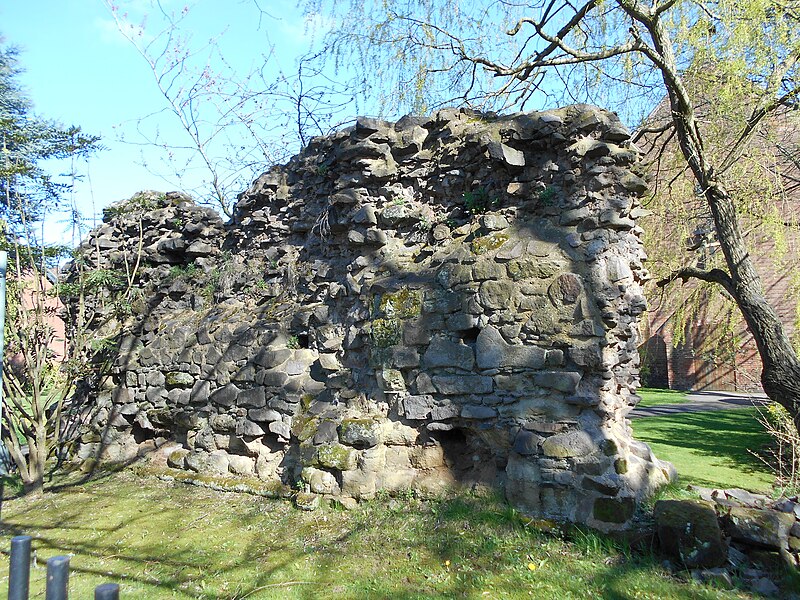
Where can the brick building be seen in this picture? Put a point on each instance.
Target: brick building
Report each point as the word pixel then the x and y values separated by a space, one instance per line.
pixel 696 338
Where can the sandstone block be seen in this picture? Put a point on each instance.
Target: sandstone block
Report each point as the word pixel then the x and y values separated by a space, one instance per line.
pixel 568 444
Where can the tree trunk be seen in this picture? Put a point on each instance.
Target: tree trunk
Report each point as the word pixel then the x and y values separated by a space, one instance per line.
pixel 33 473
pixel 780 374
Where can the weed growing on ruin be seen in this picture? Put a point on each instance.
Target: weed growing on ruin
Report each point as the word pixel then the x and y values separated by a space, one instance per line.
pixel 137 204
pixel 478 202
pixel 385 333
pixel 189 271
pixel 547 196
pixel 293 342
pixel 783 454
pixel 93 281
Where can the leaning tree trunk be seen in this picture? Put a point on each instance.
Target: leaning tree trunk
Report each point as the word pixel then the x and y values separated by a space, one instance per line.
pixel 780 374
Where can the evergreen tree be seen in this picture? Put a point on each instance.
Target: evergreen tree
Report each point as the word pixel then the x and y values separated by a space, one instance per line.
pixel 27 190
pixel 37 384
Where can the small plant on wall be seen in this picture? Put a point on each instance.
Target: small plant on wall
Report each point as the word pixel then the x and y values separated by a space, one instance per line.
pixel 479 201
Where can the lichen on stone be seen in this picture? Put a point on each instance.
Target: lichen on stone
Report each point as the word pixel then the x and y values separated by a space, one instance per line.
pixel 386 332
pixel 335 456
pixel 487 243
pixel 402 304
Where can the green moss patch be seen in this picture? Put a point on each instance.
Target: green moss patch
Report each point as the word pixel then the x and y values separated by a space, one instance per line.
pixel 402 304
pixel 487 243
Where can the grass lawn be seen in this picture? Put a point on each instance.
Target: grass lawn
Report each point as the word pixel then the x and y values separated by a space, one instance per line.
pixel 656 397
pixel 170 540
pixel 710 448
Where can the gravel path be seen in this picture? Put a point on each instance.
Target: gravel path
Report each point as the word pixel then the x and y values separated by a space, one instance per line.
pixel 700 401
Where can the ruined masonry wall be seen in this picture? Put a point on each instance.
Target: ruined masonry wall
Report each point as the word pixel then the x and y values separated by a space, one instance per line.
pixel 434 302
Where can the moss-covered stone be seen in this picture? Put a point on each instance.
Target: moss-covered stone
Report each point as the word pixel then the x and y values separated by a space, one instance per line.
pixel 487 243
pixel 689 531
pixel 386 332
pixel 306 400
pixel 614 510
pixel 305 501
pixel 304 428
pixel 179 379
pixel 177 459
pixel 759 527
pixel 359 433
pixel 529 268
pixel 402 304
pixel 336 456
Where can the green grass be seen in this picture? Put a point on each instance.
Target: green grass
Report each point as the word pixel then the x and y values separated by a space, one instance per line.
pixel 657 397
pixel 710 448
pixel 169 540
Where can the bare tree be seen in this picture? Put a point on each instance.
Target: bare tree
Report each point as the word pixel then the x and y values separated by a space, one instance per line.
pixel 232 125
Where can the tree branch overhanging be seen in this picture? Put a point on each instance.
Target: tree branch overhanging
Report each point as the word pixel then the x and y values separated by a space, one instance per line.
pixel 712 276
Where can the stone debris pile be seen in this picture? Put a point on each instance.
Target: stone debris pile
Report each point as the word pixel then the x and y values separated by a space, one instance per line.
pixel 729 534
pixel 448 300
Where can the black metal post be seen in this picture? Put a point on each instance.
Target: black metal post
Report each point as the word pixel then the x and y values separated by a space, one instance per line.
pixel 57 578
pixel 19 568
pixel 106 591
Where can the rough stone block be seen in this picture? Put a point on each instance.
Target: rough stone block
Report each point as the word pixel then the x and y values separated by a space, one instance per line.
pixel 688 530
pixel 360 433
pixel 443 352
pixel 320 482
pixel 759 527
pixel 476 411
pixel 498 295
pixel 358 484
pixel 417 408
pixel 225 396
pixel 527 443
pixel 462 384
pixel 493 352
pixel 254 397
pixel 336 456
pixel 563 381
pixel 427 457
pixel 263 415
pixel 281 429
pixel 569 444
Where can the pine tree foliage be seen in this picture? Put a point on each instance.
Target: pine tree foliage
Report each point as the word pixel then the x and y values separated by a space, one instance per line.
pixel 27 189
pixel 38 381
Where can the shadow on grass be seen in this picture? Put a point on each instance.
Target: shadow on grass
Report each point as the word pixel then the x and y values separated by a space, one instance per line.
pixel 161 540
pixel 728 437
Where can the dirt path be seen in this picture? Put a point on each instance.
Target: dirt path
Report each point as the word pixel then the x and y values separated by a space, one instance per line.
pixel 700 401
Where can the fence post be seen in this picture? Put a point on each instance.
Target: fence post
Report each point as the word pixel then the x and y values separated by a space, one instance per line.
pixel 19 568
pixel 106 591
pixel 57 578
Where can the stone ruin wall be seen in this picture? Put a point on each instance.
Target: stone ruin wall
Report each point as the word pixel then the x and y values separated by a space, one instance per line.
pixel 441 301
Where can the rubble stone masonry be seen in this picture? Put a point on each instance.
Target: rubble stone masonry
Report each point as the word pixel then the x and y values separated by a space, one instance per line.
pixel 442 301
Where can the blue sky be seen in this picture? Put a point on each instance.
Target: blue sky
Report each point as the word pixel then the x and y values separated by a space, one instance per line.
pixel 80 70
